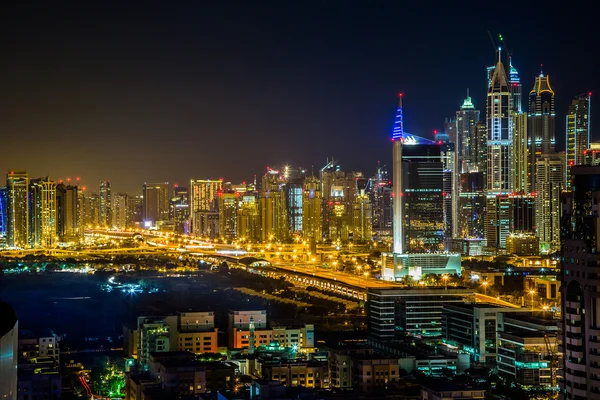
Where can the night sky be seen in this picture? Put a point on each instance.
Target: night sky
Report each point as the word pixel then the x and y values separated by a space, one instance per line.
pixel 168 91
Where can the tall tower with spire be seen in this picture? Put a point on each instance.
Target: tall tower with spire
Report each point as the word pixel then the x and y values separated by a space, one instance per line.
pixel 397 138
pixel 499 129
pixel 540 123
pixel 515 87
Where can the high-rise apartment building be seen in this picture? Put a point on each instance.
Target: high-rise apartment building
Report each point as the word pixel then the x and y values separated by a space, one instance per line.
pixel 580 286
pixel 203 206
pixel 541 125
pixel 499 110
pixel 516 87
pixel 17 209
pixel 362 224
pixel 549 185
pixel 466 144
pixel 381 193
pixel 104 205
pixel 156 202
pixel 228 205
pixel 472 203
pixel 339 190
pixel 42 205
pixel 273 210
pixel 180 209
pixel 578 133
pixel 311 210
pixel 92 210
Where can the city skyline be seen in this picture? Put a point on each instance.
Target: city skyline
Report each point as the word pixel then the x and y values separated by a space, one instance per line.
pixel 117 91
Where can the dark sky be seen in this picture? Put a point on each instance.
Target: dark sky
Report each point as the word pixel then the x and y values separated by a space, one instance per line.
pixel 168 91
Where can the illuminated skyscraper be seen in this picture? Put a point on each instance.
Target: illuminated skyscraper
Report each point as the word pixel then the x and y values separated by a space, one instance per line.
pixel 43 222
pixel 228 204
pixel 540 123
pixel 119 210
pixel 92 210
pixel 549 184
pixel 104 205
pixel 520 170
pixel 135 211
pixel 203 206
pixel 472 205
pixel 248 223
pixel 578 132
pixel 398 188
pixel 382 200
pixel 477 150
pixel 293 191
pixel 156 202
pixel 339 191
pixel 311 210
pixel 273 210
pixel 362 224
pixel 17 209
pixel 507 214
pixel 466 119
pixel 499 130
pixel 180 209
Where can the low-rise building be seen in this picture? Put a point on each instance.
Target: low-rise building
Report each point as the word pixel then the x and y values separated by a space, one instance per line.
pixel 340 362
pixel 450 391
pixel 372 371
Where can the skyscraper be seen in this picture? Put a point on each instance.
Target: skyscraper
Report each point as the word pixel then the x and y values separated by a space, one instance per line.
pixel 68 213
pixel 92 210
pixel 228 204
pixel 549 185
pixel 293 192
pixel 135 211
pixel 578 132
pixel 466 119
pixel 156 202
pixel 515 87
pixel 104 205
pixel 17 209
pixel 520 173
pixel 203 206
pixel 311 210
pixel 42 225
pixel 2 211
pixel 362 224
pixel 248 219
pixel 119 210
pixel 580 286
pixel 499 131
pixel 273 210
pixel 180 209
pixel 540 123
pixel 381 194
pixel 397 139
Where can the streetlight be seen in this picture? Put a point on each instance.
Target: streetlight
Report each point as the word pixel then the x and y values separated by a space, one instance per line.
pixel 445 278
pixel 485 285
pixel 532 293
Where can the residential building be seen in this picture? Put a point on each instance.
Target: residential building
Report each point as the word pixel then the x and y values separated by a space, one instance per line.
pixel 17 209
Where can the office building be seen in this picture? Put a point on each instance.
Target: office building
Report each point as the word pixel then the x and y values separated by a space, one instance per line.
pixel 472 328
pixel 528 349
pixel 273 209
pixel 472 203
pixel 42 221
pixel 203 206
pixel 381 193
pixel 548 188
pixel 499 110
pixel 228 205
pixel 156 203
pixel 423 208
pixel 414 310
pixel 579 275
pixel 516 87
pixel 541 124
pixel 68 213
pixel 9 336
pixel 522 244
pixel 104 205
pixel 311 210
pixel 578 130
pixel 450 185
pixel 17 209
pixel 248 224
pixel 506 214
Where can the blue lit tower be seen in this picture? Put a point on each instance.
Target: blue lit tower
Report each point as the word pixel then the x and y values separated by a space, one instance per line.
pixel 397 138
pixel 499 128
